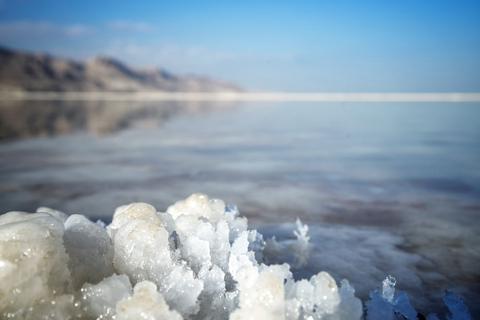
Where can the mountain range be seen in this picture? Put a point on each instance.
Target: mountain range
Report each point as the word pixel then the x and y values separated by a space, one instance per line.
pixel 42 72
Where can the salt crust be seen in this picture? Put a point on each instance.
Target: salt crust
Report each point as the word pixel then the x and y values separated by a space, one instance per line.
pixel 196 261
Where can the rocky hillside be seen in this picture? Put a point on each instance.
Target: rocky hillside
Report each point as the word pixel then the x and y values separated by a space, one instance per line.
pixel 42 72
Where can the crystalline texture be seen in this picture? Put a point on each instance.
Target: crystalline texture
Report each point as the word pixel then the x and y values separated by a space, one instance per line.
pixel 300 248
pixel 142 251
pixel 458 311
pixel 198 205
pixel 403 306
pixel 33 262
pixel 181 290
pixel 261 299
pixel 146 303
pixel 350 307
pixel 388 289
pixel 385 304
pixel 212 298
pixel 325 293
pixel 62 216
pixel 90 250
pixel 99 301
pixel 197 261
pixel 196 252
pixel 133 211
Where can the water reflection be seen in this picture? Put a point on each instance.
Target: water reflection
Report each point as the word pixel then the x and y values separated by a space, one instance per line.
pixel 376 182
pixel 20 119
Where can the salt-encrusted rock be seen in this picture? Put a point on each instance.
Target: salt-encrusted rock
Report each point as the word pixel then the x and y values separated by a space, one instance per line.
pixel 219 244
pixel 90 250
pixel 350 307
pixel 181 290
pixel 303 291
pixel 212 298
pixel 325 293
pixel 186 226
pixel 133 211
pixel 197 261
pixel 146 303
pixel 198 205
pixel 54 213
pixel 99 301
pixel 197 253
pixel 142 251
pixel 34 278
pixel 240 257
pixel 261 296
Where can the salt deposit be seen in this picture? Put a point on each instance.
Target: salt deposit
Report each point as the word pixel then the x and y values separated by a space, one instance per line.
pixel 198 260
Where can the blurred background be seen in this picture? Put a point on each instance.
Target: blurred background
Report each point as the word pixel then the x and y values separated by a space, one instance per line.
pixel 315 46
pixel 386 187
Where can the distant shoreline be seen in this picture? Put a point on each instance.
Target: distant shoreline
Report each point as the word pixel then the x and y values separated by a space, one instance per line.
pixel 238 96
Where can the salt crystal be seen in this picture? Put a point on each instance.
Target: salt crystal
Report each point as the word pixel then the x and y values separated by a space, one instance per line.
pixel 186 226
pixel 90 250
pixel 181 290
pixel 458 311
pixel 388 289
pixel 198 205
pixel 196 252
pixel 212 298
pixel 198 260
pixel 99 300
pixel 303 291
pixel 403 306
pixel 142 251
pixel 300 247
pixel 133 211
pixel 378 308
pixel 146 303
pixel 33 265
pixel 325 292
pixel 261 299
pixel 350 307
pixel 220 246
pixel 62 216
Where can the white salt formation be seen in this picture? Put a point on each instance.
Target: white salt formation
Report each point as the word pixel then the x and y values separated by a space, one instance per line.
pixel 198 260
pixel 391 303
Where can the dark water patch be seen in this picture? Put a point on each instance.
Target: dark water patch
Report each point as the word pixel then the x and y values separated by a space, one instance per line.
pixel 443 184
pixel 471 207
pixel 361 213
pixel 418 205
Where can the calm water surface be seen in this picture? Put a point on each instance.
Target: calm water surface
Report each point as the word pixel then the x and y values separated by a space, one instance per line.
pixel 386 188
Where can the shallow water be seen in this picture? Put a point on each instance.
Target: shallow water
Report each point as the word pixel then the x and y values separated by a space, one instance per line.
pixel 386 188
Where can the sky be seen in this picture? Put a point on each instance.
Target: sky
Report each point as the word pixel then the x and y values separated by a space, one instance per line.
pixel 294 46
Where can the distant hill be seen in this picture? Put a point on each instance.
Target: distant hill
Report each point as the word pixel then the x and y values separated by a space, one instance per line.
pixel 42 72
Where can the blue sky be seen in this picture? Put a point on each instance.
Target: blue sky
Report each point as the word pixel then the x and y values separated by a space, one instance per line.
pixel 322 46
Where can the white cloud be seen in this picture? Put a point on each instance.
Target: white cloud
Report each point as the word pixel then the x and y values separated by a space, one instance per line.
pixel 125 25
pixel 32 29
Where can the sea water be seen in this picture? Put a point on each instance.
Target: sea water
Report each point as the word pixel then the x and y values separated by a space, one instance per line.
pixel 385 188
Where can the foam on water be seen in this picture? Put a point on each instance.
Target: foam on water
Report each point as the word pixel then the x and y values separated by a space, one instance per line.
pixel 198 260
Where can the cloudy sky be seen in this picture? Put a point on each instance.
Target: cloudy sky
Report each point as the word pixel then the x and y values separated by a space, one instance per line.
pixel 315 46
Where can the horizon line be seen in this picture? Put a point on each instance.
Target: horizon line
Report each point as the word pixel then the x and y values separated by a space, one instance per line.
pixel 241 96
